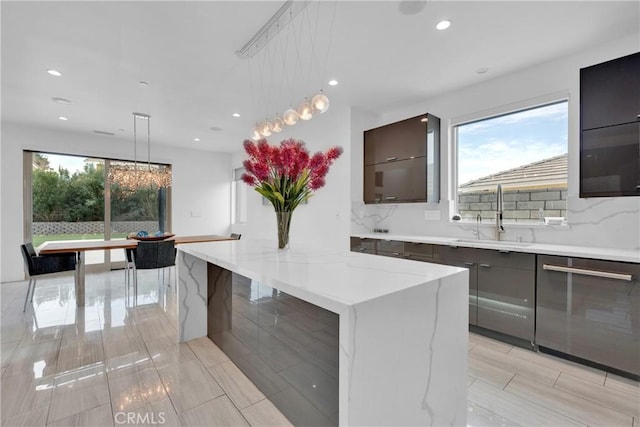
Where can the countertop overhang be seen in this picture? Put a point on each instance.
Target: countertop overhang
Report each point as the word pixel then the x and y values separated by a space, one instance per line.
pixel 610 254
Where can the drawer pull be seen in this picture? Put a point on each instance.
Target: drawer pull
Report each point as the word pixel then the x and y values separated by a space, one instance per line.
pixel 504 251
pixel 585 272
pixel 485 265
pixel 390 159
pixel 390 198
pixel 468 264
pixel 396 254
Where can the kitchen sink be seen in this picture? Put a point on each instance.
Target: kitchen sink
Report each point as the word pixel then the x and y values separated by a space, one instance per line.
pixel 495 243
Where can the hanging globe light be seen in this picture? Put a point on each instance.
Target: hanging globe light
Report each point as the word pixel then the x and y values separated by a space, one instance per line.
pixel 290 117
pixel 265 128
pixel 255 133
pixel 305 110
pixel 277 124
pixel 320 102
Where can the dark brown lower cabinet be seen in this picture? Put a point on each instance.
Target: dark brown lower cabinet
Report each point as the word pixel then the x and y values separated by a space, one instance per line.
pixel 590 309
pixel 506 292
pixel 364 245
pixel 501 283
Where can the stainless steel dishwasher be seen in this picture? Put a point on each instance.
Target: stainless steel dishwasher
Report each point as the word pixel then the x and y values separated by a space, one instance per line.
pixel 590 309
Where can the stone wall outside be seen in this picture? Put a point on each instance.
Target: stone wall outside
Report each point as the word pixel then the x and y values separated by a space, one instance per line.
pixel 92 227
pixel 519 205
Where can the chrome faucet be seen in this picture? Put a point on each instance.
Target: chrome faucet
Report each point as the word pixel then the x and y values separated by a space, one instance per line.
pixel 478 221
pixel 499 209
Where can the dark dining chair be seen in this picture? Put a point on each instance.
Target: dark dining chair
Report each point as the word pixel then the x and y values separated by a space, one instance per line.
pixel 235 236
pixel 38 265
pixel 152 255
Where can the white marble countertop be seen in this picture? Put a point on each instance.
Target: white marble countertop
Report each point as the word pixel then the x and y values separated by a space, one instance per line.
pixel 611 254
pixel 332 280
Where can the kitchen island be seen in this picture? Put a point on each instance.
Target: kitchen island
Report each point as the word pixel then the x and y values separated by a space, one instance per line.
pixel 333 337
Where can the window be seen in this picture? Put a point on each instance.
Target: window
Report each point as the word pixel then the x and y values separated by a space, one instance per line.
pixel 526 152
pixel 238 198
pixel 70 199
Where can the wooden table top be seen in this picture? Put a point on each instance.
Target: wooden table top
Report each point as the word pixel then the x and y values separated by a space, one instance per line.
pixel 53 247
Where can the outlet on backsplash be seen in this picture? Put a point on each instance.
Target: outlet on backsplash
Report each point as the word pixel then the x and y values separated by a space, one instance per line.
pixel 380 230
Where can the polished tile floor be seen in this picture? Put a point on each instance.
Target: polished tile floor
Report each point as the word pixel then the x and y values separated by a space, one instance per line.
pixel 116 362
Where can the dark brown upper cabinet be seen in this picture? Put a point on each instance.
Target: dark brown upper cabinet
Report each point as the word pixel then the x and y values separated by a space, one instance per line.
pixel 396 141
pixel 610 128
pixel 610 93
pixel 402 160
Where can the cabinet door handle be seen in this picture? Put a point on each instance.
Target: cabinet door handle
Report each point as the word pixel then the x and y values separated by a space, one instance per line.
pixel 637 187
pixel 390 198
pixel 504 251
pixel 485 265
pixel 390 159
pixel 468 264
pixel 396 253
pixel 585 272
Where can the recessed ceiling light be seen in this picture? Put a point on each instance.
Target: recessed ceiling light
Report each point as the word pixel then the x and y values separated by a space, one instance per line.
pixel 482 70
pixel 54 72
pixel 61 100
pixel 333 82
pixel 196 139
pixel 236 114
pixel 62 118
pixel 443 25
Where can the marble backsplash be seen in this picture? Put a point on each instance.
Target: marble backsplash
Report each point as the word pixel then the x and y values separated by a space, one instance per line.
pixel 602 222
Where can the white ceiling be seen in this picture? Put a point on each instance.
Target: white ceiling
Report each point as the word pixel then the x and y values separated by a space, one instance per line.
pixel 186 51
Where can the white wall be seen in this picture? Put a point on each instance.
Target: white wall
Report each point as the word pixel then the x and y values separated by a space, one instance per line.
pixel 325 220
pixel 200 190
pixel 604 222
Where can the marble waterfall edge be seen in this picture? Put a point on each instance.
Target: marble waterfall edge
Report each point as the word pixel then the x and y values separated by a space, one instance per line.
pixel 404 357
pixel 192 297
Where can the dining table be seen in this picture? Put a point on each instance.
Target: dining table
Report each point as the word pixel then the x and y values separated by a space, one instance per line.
pixel 82 246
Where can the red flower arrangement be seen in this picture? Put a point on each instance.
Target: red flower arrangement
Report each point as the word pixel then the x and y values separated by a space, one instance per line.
pixel 286 175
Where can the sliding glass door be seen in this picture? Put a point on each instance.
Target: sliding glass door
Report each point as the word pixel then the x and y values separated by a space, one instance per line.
pixel 132 211
pixel 71 199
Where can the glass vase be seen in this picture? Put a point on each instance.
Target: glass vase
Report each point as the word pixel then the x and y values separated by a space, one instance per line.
pixel 284 222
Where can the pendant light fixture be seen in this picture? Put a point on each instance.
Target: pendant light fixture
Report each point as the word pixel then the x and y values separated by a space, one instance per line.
pixel 285 43
pixel 320 102
pixel 136 176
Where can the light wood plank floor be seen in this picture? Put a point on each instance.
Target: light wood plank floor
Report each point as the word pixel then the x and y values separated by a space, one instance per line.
pixel 113 363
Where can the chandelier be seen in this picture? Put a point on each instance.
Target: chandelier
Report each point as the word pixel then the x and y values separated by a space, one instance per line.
pixel 284 50
pixel 138 176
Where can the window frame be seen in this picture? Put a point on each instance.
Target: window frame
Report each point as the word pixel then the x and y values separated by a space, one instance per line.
pixel 27 200
pixel 236 180
pixel 500 111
